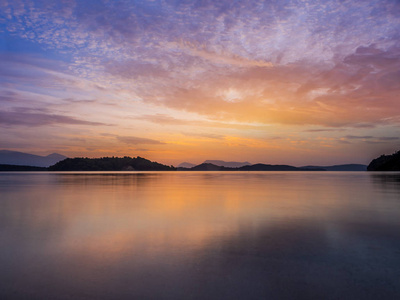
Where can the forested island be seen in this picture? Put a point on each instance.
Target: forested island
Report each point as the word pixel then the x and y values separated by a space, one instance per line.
pixel 125 163
pixel 385 163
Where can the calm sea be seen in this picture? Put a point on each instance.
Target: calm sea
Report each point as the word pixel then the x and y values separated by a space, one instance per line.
pixel 200 235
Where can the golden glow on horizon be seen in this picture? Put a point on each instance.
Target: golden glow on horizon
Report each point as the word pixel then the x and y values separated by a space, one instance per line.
pixel 281 83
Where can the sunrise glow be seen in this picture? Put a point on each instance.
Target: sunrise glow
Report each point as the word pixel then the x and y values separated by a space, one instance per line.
pixel 295 82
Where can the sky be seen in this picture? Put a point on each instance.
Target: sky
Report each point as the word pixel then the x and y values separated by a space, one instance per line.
pixel 277 82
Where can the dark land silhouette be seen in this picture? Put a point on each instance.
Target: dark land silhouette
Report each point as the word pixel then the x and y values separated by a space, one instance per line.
pixel 385 163
pixel 220 165
pixel 141 164
pixel 228 164
pixel 41 163
pixel 109 164
pixel 345 167
pixel 4 167
pixel 255 167
pixel 8 157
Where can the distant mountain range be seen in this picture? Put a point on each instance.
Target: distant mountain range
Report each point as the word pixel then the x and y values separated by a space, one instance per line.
pixel 186 165
pixel 255 167
pixel 228 164
pixel 19 161
pixel 209 165
pixel 220 163
pixel 25 159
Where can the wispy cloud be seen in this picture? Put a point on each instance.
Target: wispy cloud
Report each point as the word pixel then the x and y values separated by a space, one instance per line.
pixel 324 130
pixel 18 118
pixel 133 140
pixel 164 119
pixel 244 66
pixel 388 138
pixel 372 139
pixel 355 137
pixel 281 56
pixel 205 135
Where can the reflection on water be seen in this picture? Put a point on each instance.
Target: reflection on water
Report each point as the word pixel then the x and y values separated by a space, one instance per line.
pixel 178 235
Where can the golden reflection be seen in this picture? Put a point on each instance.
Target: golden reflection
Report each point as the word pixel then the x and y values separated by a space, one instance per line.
pixel 151 214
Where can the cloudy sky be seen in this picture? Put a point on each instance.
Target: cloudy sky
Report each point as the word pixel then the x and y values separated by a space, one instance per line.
pixel 280 81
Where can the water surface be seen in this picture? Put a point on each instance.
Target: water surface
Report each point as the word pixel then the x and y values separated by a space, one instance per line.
pixel 200 235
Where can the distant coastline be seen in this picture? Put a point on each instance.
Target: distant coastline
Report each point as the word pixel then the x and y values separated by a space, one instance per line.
pixel 18 168
pixel 268 167
pixel 141 164
pixel 126 163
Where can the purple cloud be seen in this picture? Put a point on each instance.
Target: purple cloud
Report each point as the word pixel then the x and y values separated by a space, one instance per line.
pixel 21 118
pixel 372 139
pixel 352 137
pixel 234 64
pixel 133 140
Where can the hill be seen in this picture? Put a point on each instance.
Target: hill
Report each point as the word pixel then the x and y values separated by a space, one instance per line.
pixel 26 159
pixel 207 167
pixel 265 167
pixel 220 163
pixel 385 163
pixel 186 165
pixel 255 167
pixel 227 164
pixel 109 164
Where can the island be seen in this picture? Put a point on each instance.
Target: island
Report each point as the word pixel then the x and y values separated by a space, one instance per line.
pixel 125 163
pixel 385 163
